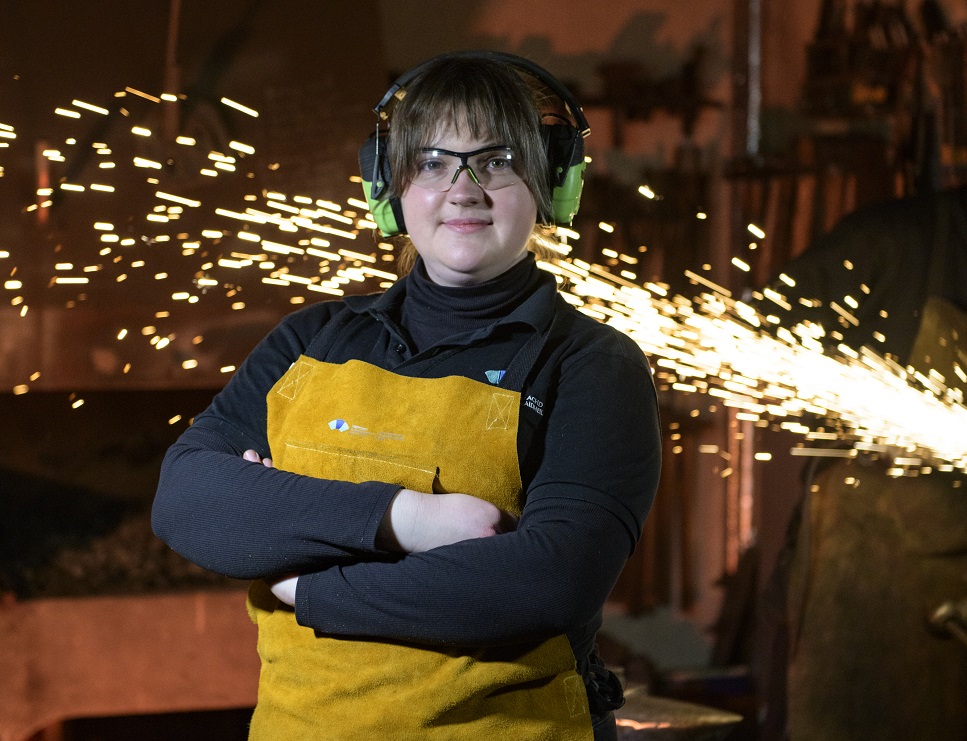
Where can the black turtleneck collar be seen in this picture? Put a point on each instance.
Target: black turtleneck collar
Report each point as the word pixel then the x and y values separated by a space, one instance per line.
pixel 432 313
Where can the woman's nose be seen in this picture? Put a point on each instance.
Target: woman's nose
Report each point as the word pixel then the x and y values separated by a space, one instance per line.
pixel 465 188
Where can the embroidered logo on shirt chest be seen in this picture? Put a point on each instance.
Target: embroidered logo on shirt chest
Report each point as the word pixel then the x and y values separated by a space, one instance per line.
pixel 532 402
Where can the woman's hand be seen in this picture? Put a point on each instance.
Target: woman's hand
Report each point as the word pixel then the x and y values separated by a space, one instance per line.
pixel 417 522
pixel 253 457
pixel 284 589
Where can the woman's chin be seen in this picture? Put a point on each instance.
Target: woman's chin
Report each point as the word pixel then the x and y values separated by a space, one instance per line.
pixel 464 262
pixel 455 277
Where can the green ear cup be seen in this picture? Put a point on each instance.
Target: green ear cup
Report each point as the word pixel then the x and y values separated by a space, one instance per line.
pixel 567 196
pixel 387 212
pixel 384 214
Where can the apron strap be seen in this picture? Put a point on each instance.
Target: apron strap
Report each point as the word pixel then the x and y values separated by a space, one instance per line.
pixel 520 367
pixel 322 343
pixel 523 363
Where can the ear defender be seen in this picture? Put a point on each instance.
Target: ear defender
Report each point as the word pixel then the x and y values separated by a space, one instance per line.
pixel 375 173
pixel 565 157
pixel 563 142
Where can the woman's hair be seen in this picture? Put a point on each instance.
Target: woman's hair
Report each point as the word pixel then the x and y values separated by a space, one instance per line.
pixel 490 98
pixel 493 101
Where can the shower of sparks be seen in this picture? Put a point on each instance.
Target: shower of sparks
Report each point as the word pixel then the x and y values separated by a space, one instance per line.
pixel 717 346
pixel 311 248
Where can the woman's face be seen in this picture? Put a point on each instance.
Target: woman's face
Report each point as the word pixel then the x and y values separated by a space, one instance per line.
pixel 468 235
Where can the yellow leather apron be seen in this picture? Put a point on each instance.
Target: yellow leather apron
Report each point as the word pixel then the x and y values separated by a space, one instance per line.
pixel 356 422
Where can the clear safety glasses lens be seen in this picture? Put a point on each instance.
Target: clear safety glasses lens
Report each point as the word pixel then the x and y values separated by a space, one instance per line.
pixel 491 168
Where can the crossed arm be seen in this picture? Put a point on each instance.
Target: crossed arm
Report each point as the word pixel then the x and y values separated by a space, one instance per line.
pixel 378 561
pixel 416 522
pixel 467 578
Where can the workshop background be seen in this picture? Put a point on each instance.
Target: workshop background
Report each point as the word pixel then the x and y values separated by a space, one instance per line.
pixel 728 137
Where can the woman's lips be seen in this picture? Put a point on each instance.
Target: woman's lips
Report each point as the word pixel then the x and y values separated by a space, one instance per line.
pixel 466 226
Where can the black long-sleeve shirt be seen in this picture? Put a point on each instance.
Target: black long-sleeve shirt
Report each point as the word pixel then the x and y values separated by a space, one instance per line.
pixel 588 445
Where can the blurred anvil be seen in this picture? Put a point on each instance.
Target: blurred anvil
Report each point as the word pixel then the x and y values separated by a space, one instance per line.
pixel 941 344
pixel 891 277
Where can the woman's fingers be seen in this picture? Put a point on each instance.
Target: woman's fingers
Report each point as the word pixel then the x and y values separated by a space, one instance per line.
pixel 254 457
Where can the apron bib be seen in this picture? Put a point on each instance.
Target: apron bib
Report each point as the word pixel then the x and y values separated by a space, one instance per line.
pixel 356 422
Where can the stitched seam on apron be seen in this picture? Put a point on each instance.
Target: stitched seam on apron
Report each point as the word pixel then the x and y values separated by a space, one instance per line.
pixel 498 417
pixel 576 696
pixel 292 386
pixel 359 454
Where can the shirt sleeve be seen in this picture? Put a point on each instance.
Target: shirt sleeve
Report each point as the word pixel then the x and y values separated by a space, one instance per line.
pixel 245 520
pixel 582 518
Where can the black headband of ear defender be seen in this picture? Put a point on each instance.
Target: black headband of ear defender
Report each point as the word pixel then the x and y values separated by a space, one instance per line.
pixel 564 144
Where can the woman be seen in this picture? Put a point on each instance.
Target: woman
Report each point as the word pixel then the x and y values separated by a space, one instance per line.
pixel 398 595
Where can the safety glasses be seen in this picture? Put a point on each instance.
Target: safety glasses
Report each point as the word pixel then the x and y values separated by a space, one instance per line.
pixel 490 167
